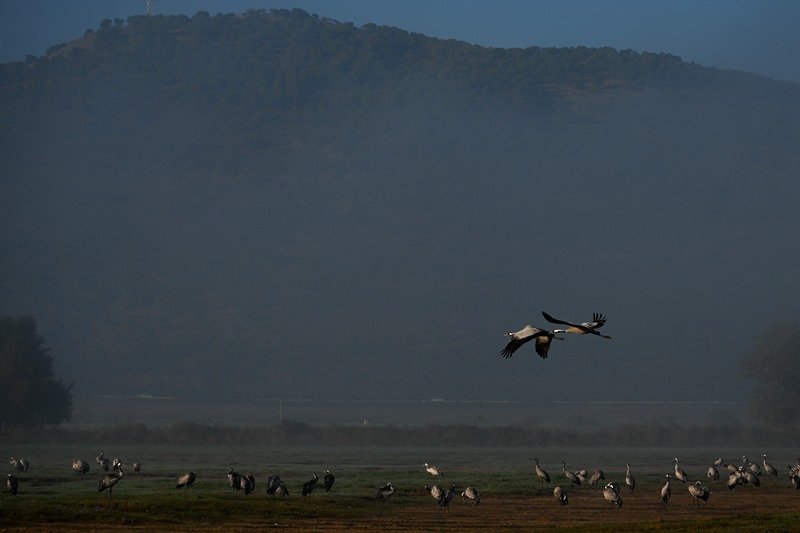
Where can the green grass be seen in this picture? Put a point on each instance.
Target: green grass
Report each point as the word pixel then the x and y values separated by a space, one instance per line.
pixel 51 494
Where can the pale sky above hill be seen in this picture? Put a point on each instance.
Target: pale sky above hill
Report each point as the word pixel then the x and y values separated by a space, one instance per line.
pixel 759 36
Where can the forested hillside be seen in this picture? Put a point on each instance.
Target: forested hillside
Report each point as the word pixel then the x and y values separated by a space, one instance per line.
pixel 277 204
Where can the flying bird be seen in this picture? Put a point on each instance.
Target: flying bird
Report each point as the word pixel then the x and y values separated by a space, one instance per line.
pixel 584 327
pixel 543 338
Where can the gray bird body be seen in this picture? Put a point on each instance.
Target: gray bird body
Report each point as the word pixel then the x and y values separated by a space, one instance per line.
pixel 666 493
pixel 541 473
pixel 629 479
pixel 186 480
pixel 276 486
pixel 434 470
pixel 472 494
pixel 80 466
pixel 448 496
pixel 569 475
pixel 234 479
pixel 768 468
pixel 598 475
pixel 12 484
pixel 543 339
pixel 699 492
pixel 22 465
pixel 436 492
pixel 712 472
pixel 309 486
pixel 584 327
pixel 103 462
pixel 328 480
pixel 110 480
pixel 385 491
pixel 612 495
pixel 680 475
pixel 561 496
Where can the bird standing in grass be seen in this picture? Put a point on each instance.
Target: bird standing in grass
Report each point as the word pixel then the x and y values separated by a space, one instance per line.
pixel 570 475
pixel 110 480
pixel 612 494
pixel 385 491
pixel 712 472
pixel 680 475
pixel 12 483
pixel 80 466
pixel 186 480
pixel 434 470
pixel 666 493
pixel 472 494
pixel 103 462
pixel 327 481
pixel 768 467
pixel 541 473
pixel 629 479
pixel 436 493
pixel 597 476
pixel 561 496
pixel 309 486
pixel 699 492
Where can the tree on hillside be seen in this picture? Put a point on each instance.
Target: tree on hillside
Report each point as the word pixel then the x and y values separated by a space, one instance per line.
pixel 774 363
pixel 30 394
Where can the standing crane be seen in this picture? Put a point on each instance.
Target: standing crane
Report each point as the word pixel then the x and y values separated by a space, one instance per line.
pixel 699 492
pixel 541 473
pixel 666 493
pixel 712 472
pixel 80 466
pixel 310 485
pixel 570 475
pixel 768 467
pixel 472 494
pixel 561 496
pixel 185 481
pixel 384 492
pixel 629 479
pixel 110 480
pixel 612 494
pixel 680 475
pixel 434 470
pixel 598 475
pixel 327 481
pixel 103 462
pixel 12 483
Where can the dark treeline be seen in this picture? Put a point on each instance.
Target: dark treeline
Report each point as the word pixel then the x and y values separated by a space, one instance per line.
pixel 649 433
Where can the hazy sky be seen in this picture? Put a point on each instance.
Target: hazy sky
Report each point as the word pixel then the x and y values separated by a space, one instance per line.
pixel 758 36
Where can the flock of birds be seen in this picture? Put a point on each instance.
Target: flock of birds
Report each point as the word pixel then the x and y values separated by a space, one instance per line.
pixel 746 473
pixel 544 337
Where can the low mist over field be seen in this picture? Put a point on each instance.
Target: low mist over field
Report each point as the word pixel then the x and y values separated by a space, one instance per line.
pixel 272 204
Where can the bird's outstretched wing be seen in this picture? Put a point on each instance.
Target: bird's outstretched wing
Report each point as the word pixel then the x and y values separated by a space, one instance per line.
pixel 543 345
pixel 556 321
pixel 519 338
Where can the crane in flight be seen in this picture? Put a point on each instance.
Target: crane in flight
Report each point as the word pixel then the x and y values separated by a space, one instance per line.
pixel 584 327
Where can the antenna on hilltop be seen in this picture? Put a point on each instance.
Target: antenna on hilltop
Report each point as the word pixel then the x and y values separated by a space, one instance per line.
pixel 150 6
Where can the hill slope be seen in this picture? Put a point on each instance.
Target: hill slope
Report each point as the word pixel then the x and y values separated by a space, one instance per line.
pixel 275 204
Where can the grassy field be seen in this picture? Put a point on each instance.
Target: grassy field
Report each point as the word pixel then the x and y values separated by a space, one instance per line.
pixel 53 497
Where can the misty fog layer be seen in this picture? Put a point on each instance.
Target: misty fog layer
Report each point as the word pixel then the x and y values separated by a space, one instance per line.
pixel 273 205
